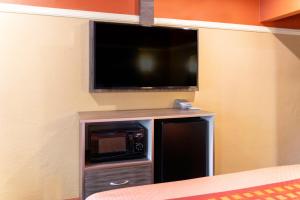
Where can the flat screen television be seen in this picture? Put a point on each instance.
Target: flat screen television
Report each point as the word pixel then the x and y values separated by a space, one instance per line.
pixel 133 57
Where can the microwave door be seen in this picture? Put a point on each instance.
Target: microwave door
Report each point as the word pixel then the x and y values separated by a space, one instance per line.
pixel 115 143
pixel 108 146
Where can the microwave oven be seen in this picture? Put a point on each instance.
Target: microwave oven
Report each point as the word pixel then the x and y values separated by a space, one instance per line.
pixel 116 141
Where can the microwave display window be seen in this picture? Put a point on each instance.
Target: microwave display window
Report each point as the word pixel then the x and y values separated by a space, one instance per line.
pixel 112 144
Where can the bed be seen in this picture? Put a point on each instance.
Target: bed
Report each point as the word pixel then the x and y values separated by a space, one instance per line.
pixel 268 183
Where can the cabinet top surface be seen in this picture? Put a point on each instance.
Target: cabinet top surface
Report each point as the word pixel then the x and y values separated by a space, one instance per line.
pixel 120 115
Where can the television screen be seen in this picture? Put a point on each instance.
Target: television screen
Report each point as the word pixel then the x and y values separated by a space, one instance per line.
pixel 125 56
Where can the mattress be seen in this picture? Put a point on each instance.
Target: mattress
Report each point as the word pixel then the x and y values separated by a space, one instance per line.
pixel 199 187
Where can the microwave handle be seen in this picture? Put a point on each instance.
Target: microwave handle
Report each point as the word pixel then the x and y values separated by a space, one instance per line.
pixel 119 183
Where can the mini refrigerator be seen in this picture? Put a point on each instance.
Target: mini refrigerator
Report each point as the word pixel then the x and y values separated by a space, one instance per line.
pixel 180 149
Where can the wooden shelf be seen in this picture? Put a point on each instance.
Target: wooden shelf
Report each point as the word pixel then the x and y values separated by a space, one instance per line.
pixel 93 173
pixel 123 115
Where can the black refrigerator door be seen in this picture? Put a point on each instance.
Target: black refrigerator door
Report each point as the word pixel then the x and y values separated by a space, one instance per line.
pixel 180 149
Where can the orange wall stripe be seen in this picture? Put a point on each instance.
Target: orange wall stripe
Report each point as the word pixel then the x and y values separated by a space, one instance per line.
pixel 271 10
pixel 228 11
pixel 110 6
pixel 245 12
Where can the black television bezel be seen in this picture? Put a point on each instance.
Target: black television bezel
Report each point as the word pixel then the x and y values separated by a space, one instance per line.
pixel 92 89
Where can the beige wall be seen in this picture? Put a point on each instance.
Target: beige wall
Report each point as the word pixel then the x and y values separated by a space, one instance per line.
pixel 251 80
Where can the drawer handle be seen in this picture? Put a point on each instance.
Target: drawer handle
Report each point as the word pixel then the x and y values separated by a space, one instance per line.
pixel 119 183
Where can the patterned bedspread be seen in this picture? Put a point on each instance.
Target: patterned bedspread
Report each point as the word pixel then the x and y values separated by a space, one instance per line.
pixel 277 191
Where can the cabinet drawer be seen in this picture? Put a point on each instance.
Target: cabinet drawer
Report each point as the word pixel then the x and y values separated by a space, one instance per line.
pixel 119 177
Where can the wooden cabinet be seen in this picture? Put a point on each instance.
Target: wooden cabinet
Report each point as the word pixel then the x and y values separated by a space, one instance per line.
pixel 97 177
pixel 119 176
